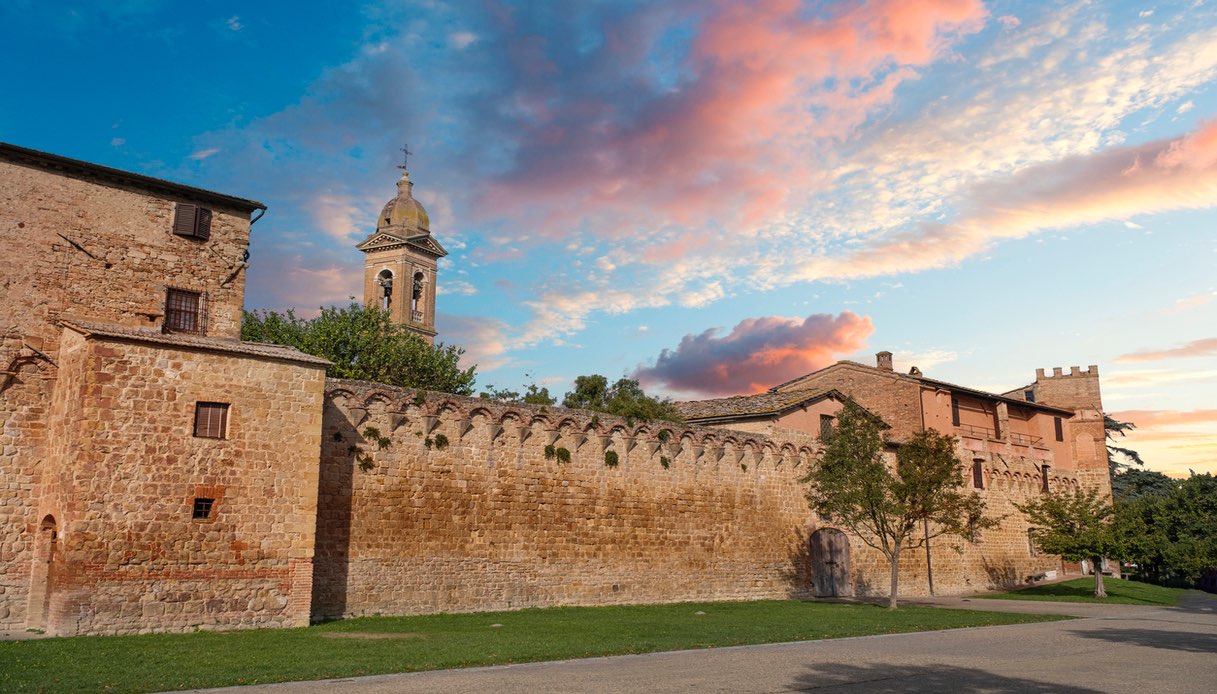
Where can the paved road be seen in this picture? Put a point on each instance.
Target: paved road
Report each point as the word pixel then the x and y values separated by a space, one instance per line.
pixel 1114 648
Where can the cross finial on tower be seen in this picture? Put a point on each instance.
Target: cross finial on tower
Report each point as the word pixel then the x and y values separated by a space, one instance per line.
pixel 405 159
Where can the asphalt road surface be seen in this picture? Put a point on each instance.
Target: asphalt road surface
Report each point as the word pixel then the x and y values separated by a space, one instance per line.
pixel 1113 648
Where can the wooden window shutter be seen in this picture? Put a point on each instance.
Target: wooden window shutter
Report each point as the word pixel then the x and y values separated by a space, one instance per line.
pixel 211 420
pixel 185 219
pixel 203 224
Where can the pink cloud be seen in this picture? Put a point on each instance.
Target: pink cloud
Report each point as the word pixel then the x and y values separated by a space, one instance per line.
pixel 1158 176
pixel 483 339
pixel 1195 348
pixel 760 82
pixel 1147 419
pixel 757 353
pixel 304 284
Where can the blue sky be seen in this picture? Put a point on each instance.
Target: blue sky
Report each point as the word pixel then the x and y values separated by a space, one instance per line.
pixel 713 197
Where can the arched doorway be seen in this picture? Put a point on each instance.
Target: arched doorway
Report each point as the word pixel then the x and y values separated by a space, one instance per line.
pixel 830 564
pixel 42 574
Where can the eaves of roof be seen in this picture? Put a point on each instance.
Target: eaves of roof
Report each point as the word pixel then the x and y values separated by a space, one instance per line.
pixel 55 162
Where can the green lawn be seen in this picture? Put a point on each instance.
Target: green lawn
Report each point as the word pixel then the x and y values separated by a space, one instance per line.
pixel 404 644
pixel 1082 590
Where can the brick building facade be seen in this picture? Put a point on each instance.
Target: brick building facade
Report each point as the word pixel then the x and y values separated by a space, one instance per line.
pixel 158 474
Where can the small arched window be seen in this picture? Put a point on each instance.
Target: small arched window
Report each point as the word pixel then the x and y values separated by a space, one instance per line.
pixel 385 280
pixel 416 303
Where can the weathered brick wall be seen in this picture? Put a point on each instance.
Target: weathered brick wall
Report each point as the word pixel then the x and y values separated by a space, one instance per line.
pixel 488 522
pixel 126 468
pixel 1079 390
pixel 895 400
pixel 126 258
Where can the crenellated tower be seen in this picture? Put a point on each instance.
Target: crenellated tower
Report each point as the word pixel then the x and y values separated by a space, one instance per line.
pixel 401 262
pixel 1078 390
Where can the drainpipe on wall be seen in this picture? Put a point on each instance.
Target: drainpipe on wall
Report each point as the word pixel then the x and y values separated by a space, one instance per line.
pixel 929 564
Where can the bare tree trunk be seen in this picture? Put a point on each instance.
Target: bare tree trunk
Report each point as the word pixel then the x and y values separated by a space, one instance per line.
pixel 1097 566
pixel 895 560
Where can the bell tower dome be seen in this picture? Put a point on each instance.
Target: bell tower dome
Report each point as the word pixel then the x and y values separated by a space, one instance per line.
pixel 400 262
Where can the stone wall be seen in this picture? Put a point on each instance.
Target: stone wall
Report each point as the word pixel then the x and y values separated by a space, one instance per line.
pixel 488 521
pixel 462 510
pixel 124 468
pixel 77 244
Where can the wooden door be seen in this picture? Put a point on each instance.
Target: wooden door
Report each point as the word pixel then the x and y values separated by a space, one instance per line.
pixel 830 564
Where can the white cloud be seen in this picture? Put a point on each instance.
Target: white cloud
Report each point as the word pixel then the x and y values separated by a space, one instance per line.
pixel 204 153
pixel 461 40
pixel 458 287
pixel 234 23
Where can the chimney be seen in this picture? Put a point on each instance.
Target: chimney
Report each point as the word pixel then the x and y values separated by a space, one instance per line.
pixel 884 360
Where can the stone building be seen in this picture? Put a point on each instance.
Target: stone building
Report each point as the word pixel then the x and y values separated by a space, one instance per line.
pixel 1044 436
pixel 159 474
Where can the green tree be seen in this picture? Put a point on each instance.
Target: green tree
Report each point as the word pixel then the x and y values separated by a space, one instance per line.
pixel 1187 519
pixel 533 394
pixel 1075 524
pixel 625 398
pixel 365 344
pixel 1135 483
pixel 892 511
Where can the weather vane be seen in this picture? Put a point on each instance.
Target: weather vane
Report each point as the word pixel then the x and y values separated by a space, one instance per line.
pixel 405 159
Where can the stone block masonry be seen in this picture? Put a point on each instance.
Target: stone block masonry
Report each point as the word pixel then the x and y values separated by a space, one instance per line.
pixel 465 511
pixel 159 528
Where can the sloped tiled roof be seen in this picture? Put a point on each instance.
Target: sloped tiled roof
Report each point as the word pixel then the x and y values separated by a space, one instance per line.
pixel 745 406
pixel 211 344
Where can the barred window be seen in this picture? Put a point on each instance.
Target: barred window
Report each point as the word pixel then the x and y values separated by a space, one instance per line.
pixel 978 474
pixel 202 508
pixel 185 311
pixel 826 427
pixel 211 420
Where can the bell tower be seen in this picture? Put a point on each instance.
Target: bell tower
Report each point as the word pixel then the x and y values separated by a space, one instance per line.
pixel 400 262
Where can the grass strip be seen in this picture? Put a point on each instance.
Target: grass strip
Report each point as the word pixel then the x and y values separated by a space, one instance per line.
pixel 1082 590
pixel 377 645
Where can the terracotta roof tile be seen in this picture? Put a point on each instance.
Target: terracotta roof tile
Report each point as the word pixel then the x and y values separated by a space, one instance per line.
pixel 757 405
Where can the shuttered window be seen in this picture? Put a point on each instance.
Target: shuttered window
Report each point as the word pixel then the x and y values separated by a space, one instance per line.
pixel 1060 429
pixel 954 412
pixel 192 220
pixel 1044 479
pixel 185 311
pixel 978 474
pixel 211 420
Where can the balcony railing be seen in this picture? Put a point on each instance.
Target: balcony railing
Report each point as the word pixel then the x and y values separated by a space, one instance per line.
pixel 976 432
pixel 1025 439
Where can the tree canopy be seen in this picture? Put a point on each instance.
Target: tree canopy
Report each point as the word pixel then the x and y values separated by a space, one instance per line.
pixel 1171 535
pixel 364 343
pixel 892 510
pixel 1135 483
pixel 625 398
pixel 1075 524
pixel 532 395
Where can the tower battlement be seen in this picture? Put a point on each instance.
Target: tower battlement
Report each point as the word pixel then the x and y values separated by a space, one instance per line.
pixel 1091 371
